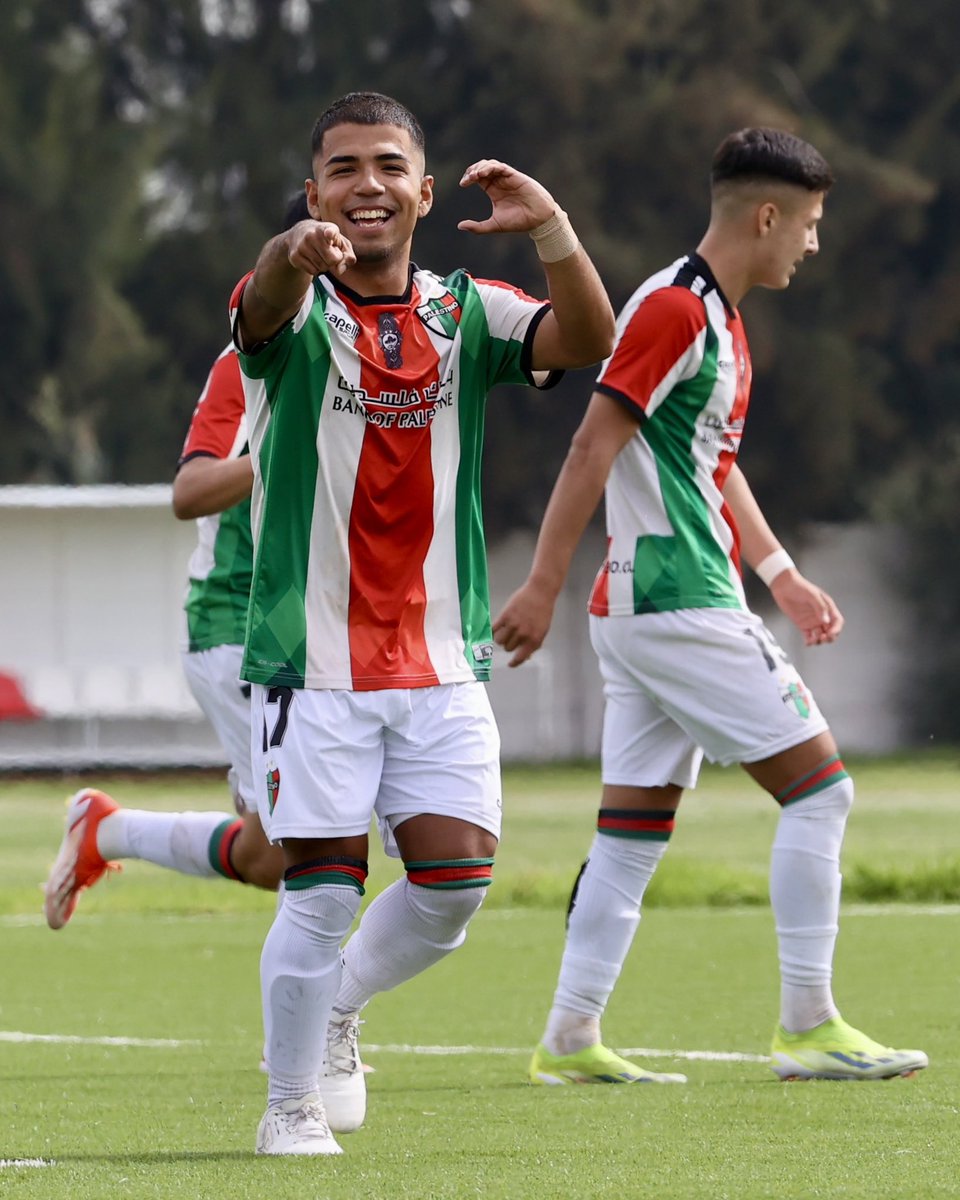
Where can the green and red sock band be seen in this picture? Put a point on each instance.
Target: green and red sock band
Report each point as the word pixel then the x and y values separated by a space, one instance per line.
pixel 828 773
pixel 220 845
pixel 650 824
pixel 337 869
pixel 451 873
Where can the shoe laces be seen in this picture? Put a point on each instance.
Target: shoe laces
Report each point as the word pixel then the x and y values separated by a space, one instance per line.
pixel 343 1051
pixel 312 1112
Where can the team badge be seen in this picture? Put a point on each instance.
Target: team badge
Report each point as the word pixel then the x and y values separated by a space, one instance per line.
pixel 391 340
pixel 442 315
pixel 273 788
pixel 796 695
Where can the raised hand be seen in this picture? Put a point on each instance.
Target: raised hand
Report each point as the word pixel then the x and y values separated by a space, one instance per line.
pixel 519 202
pixel 319 246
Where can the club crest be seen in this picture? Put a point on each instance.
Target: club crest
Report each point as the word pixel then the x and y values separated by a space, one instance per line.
pixel 441 314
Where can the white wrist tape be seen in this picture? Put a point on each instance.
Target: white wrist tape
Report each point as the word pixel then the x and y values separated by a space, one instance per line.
pixel 774 564
pixel 555 239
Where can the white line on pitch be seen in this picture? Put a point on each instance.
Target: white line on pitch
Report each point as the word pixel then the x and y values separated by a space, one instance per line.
pixel 65 1039
pixel 27 1162
pixel 638 1051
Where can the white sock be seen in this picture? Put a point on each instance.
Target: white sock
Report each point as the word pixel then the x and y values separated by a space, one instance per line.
pixel 805 896
pixel 600 929
pixel 299 974
pixel 180 841
pixel 406 929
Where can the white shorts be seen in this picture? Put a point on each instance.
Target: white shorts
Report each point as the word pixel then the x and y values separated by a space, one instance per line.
pixel 678 685
pixel 328 760
pixel 214 679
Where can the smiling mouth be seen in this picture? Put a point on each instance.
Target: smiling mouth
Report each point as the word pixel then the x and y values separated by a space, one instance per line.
pixel 368 218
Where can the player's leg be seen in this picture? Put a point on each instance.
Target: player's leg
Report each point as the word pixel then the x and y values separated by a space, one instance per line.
pixel 646 760
pixel 423 916
pixel 440 793
pixel 815 793
pixel 319 754
pixel 99 831
pixel 214 679
pixel 745 702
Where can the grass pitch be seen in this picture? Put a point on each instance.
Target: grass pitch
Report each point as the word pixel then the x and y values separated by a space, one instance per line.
pixel 129 1042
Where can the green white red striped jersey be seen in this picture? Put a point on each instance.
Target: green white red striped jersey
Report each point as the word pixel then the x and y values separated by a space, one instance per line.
pixel 680 364
pixel 221 566
pixel 366 423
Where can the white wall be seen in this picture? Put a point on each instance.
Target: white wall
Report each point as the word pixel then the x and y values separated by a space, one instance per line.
pixel 90 622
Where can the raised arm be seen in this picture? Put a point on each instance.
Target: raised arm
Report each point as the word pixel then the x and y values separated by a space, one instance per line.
pixel 579 329
pixel 285 268
pixel 525 620
pixel 808 606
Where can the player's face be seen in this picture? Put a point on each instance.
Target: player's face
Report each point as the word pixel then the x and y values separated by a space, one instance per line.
pixel 789 235
pixel 369 182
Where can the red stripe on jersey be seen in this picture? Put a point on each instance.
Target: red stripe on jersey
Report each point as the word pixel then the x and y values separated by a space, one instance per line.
pixel 600 596
pixel 219 411
pixel 391 517
pixel 237 293
pixel 658 334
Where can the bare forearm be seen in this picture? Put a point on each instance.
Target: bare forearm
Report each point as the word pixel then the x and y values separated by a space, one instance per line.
pixel 210 485
pixel 586 324
pixel 273 293
pixel 757 539
pixel 572 503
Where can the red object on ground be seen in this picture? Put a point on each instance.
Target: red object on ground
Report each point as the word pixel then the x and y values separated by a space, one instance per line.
pixel 14 706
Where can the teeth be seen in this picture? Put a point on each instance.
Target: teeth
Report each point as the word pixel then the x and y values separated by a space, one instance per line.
pixel 369 214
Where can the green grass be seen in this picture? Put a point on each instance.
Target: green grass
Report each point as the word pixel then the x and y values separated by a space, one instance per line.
pixel 152 955
pixel 903 839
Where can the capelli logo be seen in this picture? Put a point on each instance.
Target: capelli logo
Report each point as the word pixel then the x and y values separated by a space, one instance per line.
pixel 343 325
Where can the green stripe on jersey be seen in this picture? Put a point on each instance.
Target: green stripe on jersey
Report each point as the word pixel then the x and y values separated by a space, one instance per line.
pixel 471 549
pixel 277 649
pixel 216 606
pixel 689 569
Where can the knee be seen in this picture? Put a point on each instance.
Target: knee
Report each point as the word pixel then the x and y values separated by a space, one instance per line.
pixel 831 804
pixel 445 912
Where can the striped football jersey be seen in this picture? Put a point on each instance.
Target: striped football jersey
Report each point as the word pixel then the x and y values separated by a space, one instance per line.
pixel 221 566
pixel 366 422
pixel 681 364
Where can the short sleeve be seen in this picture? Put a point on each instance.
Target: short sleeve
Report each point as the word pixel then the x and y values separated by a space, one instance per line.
pixel 661 342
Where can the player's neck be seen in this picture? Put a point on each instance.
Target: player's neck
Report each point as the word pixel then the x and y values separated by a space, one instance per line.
pixel 726 260
pixel 377 278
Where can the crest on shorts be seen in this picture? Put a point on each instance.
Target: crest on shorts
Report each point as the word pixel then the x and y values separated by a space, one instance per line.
pixel 797 696
pixel 273 788
pixel 442 314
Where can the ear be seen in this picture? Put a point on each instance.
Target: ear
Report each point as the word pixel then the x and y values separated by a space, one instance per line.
pixel 767 216
pixel 313 199
pixel 426 196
